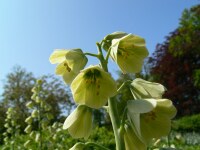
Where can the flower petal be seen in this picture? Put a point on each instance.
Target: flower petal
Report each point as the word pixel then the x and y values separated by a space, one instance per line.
pixel 132 141
pixel 146 89
pixel 58 56
pixel 92 87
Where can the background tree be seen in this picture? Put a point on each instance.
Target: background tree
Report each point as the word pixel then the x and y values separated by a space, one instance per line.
pixel 176 63
pixel 17 92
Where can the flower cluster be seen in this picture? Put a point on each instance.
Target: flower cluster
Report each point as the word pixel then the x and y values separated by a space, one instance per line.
pixel 12 129
pixel 40 115
pixel 148 115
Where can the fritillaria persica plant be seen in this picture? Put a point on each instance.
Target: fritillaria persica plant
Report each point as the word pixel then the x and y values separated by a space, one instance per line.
pixel 12 129
pixel 146 116
pixel 39 115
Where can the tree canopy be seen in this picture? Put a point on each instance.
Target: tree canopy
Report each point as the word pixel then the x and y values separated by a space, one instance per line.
pixel 176 63
pixel 17 92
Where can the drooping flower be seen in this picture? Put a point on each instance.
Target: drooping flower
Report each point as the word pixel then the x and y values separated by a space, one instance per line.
pixel 70 62
pixel 93 86
pixel 151 118
pixel 131 140
pixel 129 52
pixel 144 89
pixel 79 122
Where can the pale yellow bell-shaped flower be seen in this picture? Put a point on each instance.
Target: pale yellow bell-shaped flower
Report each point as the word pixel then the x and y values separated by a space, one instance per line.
pixel 93 86
pixel 144 89
pixel 131 141
pixel 151 118
pixel 79 122
pixel 129 52
pixel 70 62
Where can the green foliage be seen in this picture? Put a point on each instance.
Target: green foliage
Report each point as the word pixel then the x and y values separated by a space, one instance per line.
pixel 188 123
pixel 103 136
pixel 175 63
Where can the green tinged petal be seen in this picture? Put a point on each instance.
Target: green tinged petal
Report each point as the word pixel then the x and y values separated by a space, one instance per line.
pixel 141 106
pixel 145 89
pixel 107 41
pixel 82 115
pixel 92 87
pixel 70 62
pixel 58 56
pixel 129 52
pixel 132 141
pixel 154 123
pixel 135 108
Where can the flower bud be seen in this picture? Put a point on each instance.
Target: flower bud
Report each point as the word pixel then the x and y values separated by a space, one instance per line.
pixel 29 120
pixel 55 125
pixel 33 97
pixel 28 129
pixel 9 130
pixel 6 125
pixel 44 124
pixel 27 143
pixel 55 136
pixel 32 134
pixel 39 82
pixel 38 99
pixel 29 104
pixel 5 134
pixel 38 137
pixel 35 113
pixel 13 122
pixel 34 89
pixel 6 139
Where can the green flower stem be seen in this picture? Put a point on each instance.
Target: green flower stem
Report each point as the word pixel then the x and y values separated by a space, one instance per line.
pixel 101 58
pixel 90 54
pixel 108 54
pixel 114 116
pixel 123 85
pixel 124 117
pixel 112 104
pixel 88 144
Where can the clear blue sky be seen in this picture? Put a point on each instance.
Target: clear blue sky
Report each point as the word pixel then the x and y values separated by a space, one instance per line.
pixel 31 29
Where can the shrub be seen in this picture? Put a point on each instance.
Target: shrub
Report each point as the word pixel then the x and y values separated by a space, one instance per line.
pixel 187 124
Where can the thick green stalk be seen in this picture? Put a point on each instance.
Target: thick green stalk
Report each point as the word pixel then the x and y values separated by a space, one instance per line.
pixel 114 116
pixel 112 104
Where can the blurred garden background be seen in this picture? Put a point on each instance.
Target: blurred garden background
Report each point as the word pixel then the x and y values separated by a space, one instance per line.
pixel 174 61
